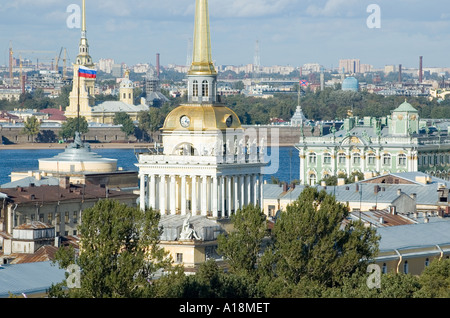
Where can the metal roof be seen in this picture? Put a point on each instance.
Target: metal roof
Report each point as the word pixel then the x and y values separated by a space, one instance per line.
pixel 414 236
pixel 31 278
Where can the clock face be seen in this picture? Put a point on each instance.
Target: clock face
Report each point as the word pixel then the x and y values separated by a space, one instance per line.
pixel 185 121
pixel 229 121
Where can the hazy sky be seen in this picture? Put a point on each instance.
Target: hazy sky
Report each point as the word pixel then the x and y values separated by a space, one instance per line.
pixel 290 32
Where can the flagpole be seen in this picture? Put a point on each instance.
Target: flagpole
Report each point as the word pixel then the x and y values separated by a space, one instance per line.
pixel 78 104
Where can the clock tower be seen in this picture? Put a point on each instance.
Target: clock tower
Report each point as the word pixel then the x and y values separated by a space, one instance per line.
pixel 209 166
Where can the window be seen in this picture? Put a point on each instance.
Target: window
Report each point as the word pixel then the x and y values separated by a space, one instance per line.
pixel 386 159
pixel 405 267
pixel 342 158
pixel 402 160
pixel 179 258
pixel 384 268
pixel 427 262
pixel 41 218
pixel 371 159
pixel 75 217
pixel 327 158
pixel 357 159
pixel 312 159
pixel 50 218
pixel 312 179
pixel 195 89
pixel 205 88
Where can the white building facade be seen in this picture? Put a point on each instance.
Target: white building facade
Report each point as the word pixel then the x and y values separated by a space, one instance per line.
pixel 209 166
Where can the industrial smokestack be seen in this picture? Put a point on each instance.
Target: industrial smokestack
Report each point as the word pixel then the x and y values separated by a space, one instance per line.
pixel 421 70
pixel 158 66
pixel 400 79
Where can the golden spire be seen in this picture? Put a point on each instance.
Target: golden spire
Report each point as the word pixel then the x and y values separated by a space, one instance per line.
pixel 202 61
pixel 83 20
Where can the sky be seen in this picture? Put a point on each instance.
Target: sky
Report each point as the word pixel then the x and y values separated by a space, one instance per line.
pixel 289 32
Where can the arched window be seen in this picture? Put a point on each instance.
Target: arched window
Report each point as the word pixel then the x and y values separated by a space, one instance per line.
pixel 312 179
pixel 195 89
pixel 205 88
pixel 402 160
pixel 342 158
pixel 326 158
pixel 312 158
pixel 386 159
pixel 371 159
pixel 356 159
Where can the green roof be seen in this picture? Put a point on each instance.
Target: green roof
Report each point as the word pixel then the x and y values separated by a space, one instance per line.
pixel 405 107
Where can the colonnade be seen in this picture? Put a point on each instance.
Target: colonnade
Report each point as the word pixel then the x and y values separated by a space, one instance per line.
pixel 207 195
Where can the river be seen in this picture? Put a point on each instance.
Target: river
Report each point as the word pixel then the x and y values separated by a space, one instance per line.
pixel 284 167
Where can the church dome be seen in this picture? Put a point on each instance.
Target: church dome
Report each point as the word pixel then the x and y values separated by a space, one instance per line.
pixel 350 84
pixel 201 117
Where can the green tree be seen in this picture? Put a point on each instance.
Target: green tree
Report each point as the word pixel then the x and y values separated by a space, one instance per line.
pixel 242 245
pixel 72 125
pixel 126 122
pixel 120 252
pixel 311 241
pixel 31 127
pixel 435 280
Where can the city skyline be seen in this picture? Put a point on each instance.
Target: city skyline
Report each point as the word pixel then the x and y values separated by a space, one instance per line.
pixel 289 32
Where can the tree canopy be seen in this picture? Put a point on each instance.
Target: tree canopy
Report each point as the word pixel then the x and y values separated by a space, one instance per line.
pixel 119 253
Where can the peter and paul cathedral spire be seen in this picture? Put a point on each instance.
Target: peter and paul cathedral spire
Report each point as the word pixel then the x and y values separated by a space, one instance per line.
pixel 202 76
pixel 83 89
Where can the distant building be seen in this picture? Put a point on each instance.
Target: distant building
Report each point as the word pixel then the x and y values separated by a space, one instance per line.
pixel 350 66
pixel 374 147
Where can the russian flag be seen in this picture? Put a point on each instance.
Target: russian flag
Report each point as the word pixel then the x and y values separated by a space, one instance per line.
pixel 87 72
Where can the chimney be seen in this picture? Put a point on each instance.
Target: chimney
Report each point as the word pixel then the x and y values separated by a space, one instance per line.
pixel 420 69
pixel 64 182
pixel 158 65
pixel 341 181
pixel 285 187
pixel 399 191
pixel 413 196
pixel 376 189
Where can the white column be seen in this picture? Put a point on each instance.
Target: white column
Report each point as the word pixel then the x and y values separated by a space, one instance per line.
pixel 142 192
pixel 204 196
pixel 242 187
pixel 236 194
pixel 183 195
pixel 255 189
pixel 214 197
pixel 248 185
pixel 194 195
pixel 230 198
pixel 173 196
pixel 261 191
pixel 162 195
pixel 222 192
pixel 152 194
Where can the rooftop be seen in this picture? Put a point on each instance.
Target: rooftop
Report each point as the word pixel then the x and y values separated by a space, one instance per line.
pixel 30 278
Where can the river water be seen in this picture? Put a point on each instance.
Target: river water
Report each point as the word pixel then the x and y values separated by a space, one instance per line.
pixel 284 164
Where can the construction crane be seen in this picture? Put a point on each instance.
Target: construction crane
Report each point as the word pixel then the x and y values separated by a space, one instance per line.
pixel 58 57
pixel 11 79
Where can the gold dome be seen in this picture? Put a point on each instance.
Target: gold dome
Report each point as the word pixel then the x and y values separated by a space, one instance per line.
pixel 201 117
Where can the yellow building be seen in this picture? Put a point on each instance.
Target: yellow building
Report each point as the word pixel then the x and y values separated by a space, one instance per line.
pixel 82 97
pixel 209 167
